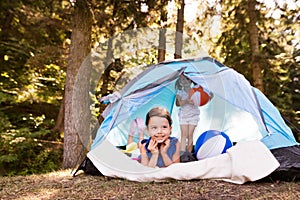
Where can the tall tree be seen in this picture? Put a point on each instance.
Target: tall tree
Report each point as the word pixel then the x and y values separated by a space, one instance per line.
pixel 110 17
pixel 162 33
pixel 234 38
pixel 179 30
pixel 254 44
pixel 79 50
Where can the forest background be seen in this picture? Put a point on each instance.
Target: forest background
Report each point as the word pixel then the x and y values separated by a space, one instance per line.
pixel 43 43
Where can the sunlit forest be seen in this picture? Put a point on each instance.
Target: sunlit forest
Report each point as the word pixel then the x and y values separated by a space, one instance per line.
pixel 43 43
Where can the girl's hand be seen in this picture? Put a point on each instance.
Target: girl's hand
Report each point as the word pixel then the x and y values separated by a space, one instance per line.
pixel 142 148
pixel 153 146
pixel 165 146
pixel 190 101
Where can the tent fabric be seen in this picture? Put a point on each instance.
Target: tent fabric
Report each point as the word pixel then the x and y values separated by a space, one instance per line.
pixel 280 135
pixel 241 90
pixel 238 165
pixel 233 97
pixel 289 159
pixel 236 108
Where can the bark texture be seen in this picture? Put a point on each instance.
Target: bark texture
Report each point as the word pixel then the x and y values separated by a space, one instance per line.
pixel 77 112
pixel 254 43
pixel 179 30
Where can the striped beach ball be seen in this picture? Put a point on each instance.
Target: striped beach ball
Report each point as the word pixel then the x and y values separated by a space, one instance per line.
pixel 199 96
pixel 211 143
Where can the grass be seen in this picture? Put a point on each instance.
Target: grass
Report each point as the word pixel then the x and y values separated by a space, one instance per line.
pixel 61 185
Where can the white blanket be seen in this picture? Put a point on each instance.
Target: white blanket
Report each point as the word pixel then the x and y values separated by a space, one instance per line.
pixel 246 161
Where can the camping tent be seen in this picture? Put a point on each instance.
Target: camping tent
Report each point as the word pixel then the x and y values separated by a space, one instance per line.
pixel 236 108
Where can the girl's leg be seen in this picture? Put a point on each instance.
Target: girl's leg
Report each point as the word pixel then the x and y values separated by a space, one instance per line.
pixel 141 136
pixel 130 139
pixel 184 134
pixel 191 129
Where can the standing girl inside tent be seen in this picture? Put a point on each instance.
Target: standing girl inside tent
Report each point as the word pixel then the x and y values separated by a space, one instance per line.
pixel 188 113
pixel 160 149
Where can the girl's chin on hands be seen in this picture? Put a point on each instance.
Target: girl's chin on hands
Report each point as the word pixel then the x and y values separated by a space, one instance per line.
pixel 160 140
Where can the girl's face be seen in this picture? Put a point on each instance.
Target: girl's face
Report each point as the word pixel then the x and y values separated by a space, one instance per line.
pixel 159 129
pixel 184 81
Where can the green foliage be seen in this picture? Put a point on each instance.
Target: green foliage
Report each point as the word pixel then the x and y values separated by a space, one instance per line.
pixel 27 151
pixel 31 48
pixel 4 97
pixel 279 63
pixel 4 122
pixel 234 40
pixel 33 54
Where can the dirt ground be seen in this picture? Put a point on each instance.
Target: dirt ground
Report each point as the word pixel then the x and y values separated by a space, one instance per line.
pixel 61 185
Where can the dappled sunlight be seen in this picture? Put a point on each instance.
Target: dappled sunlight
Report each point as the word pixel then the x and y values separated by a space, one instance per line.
pixel 42 194
pixel 45 186
pixel 61 185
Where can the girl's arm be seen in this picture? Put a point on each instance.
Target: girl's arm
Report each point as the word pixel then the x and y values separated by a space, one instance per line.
pixel 144 157
pixel 180 102
pixel 178 98
pixel 163 152
pixel 166 159
pixel 150 163
pixel 176 155
pixel 154 151
pixel 153 160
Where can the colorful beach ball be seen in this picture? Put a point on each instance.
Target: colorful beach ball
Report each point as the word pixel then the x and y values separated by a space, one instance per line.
pixel 211 143
pixel 199 96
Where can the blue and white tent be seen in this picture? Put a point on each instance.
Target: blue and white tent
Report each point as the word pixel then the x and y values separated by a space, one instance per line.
pixel 236 108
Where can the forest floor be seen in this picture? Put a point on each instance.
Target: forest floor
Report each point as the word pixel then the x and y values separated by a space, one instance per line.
pixel 61 185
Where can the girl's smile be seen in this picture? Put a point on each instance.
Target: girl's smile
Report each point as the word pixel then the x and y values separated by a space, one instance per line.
pixel 159 129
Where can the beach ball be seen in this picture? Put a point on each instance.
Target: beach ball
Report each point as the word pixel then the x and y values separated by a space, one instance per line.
pixel 199 96
pixel 211 143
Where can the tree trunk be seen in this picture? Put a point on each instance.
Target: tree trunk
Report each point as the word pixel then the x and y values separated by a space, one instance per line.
pixel 162 45
pixel 254 43
pixel 162 35
pixel 59 125
pixel 77 85
pixel 179 30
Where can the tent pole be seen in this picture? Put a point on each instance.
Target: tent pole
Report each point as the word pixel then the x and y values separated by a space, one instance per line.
pixel 260 112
